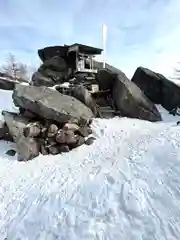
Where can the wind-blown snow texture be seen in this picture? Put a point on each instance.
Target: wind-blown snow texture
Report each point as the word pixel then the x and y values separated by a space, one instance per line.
pixel 124 186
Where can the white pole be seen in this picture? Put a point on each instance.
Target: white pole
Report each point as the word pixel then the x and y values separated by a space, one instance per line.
pixel 104 37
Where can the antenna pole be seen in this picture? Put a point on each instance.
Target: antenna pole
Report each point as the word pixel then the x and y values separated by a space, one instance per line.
pixel 104 37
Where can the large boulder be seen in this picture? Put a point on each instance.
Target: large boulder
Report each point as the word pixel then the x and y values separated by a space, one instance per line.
pixel 50 104
pixel 55 63
pixel 130 101
pixel 157 88
pixel 27 148
pixel 53 71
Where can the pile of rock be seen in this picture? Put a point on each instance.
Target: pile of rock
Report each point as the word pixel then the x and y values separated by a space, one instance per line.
pixel 117 95
pixel 48 122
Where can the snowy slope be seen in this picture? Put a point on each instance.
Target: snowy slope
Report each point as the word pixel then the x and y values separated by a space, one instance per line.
pixel 124 186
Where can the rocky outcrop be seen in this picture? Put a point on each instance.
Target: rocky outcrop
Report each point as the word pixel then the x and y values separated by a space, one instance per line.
pixel 157 88
pixel 131 102
pixel 50 104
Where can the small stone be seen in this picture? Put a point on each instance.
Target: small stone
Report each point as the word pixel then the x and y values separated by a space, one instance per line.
pixel 64 148
pixel 11 152
pixel 80 141
pixel 90 141
pixel 54 150
pixel 43 132
pixel 52 130
pixel 71 126
pixel 83 131
pixel 61 137
pixel 70 137
pixel 43 150
pixel 89 130
pixel 82 122
pixel 32 131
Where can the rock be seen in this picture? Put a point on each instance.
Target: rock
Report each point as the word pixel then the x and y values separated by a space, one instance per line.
pixel 32 130
pixel 157 88
pixel 90 141
pixel 38 79
pixel 71 126
pixel 70 137
pixel 43 133
pixel 49 52
pixel 4 132
pixel 11 152
pixel 50 104
pixel 54 150
pixel 6 83
pixel 83 95
pixel 27 114
pixel 27 148
pixel 55 63
pixel 80 141
pixel 61 137
pixel 130 101
pixel 84 131
pixel 43 150
pixel 63 148
pixel 52 130
pixel 57 77
pixel 104 79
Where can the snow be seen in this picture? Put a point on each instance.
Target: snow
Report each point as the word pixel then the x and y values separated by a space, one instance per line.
pixel 124 186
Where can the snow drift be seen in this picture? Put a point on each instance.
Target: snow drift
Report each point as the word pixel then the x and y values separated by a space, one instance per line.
pixel 124 186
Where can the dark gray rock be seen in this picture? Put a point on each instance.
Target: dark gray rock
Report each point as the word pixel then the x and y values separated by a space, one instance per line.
pixel 4 132
pixel 55 63
pixel 11 152
pixel 43 150
pixel 27 148
pixel 27 114
pixel 90 141
pixel 50 104
pixel 130 101
pixel 54 150
pixel 104 79
pixel 84 131
pixel 7 84
pixel 63 148
pixel 53 71
pixel 49 52
pixel 157 88
pixel 83 95
pixel 38 79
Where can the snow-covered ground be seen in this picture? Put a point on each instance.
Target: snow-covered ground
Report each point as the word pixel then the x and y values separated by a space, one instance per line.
pixel 126 186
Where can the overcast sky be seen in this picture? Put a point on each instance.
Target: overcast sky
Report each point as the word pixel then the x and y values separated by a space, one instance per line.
pixel 141 32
